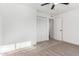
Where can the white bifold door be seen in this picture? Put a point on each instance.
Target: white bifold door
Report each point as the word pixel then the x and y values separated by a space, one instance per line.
pixel 42 28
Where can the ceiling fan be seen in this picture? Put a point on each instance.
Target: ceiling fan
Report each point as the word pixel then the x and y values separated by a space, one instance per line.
pixel 53 5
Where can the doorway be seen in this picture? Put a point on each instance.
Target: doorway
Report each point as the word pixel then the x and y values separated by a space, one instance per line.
pixel 56 28
pixel 51 29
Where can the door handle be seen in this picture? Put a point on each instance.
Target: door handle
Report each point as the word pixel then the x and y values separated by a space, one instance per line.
pixel 61 30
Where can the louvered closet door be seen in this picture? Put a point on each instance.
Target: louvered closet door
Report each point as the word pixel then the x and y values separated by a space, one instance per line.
pixel 42 29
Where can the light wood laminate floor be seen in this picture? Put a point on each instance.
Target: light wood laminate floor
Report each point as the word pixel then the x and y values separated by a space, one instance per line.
pixel 47 48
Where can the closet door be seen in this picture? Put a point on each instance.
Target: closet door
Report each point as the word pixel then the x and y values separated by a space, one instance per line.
pixel 42 29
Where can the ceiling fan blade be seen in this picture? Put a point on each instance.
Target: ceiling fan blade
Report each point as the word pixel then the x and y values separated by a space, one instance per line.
pixel 44 4
pixel 64 3
pixel 53 6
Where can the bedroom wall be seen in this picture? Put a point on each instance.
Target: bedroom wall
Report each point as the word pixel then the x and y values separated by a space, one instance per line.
pixel 1 30
pixel 70 26
pixel 18 24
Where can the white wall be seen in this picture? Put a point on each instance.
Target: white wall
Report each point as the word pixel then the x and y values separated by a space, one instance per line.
pixel 19 23
pixel 1 37
pixel 70 26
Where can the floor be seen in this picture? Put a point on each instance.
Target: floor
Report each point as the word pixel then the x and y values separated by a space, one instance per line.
pixel 47 48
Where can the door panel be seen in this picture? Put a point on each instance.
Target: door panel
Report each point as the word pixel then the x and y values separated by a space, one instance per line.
pixel 58 29
pixel 42 29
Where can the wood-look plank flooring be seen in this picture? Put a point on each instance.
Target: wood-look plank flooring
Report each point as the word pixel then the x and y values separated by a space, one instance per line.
pixel 47 48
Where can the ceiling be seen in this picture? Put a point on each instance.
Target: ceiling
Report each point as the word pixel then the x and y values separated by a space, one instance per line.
pixel 59 8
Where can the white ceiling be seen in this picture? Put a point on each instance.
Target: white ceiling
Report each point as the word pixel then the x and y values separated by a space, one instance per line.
pixel 59 8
